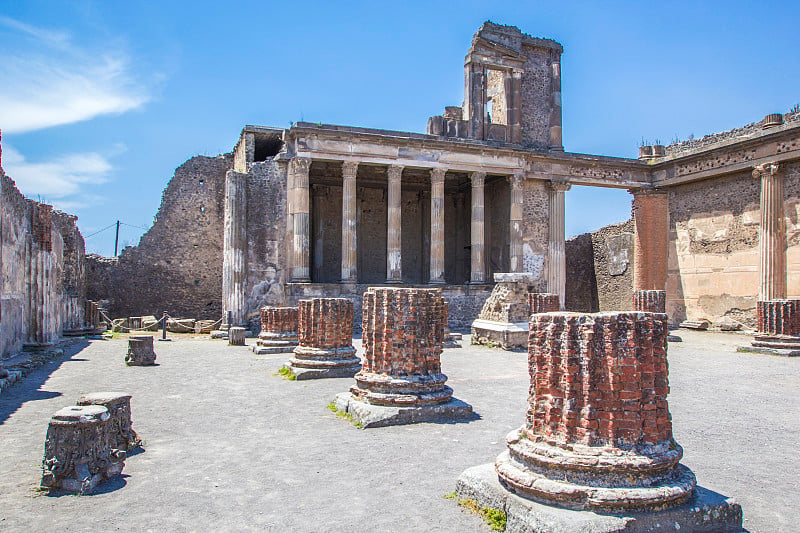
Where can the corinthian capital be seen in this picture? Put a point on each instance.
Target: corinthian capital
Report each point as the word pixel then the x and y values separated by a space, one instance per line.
pixel 349 169
pixel 558 186
pixel 477 178
pixel 300 164
pixel 767 169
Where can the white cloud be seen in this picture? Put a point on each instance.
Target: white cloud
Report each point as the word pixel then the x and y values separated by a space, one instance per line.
pixel 49 81
pixel 56 179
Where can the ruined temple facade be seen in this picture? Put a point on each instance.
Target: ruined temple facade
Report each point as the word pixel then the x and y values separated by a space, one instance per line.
pixel 319 210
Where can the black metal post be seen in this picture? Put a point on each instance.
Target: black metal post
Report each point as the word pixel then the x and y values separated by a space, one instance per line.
pixel 116 240
pixel 164 327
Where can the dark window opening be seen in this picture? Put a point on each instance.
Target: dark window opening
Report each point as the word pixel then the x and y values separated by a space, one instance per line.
pixel 266 146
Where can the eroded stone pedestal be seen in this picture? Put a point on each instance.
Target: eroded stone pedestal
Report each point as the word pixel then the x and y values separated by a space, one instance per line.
pixel 120 426
pixel 140 351
pixel 778 329
pixel 278 330
pixel 236 336
pixel 325 349
pixel 77 451
pixel 598 433
pixel 503 320
pixel 401 381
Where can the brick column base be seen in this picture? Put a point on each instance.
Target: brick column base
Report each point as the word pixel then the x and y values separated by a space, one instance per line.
pixel 325 349
pixel 278 330
pixel 650 301
pixel 543 302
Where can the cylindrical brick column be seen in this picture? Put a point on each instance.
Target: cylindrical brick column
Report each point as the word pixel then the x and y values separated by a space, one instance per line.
pixel 598 432
pixel 543 302
pixel 403 330
pixel 556 254
pixel 779 317
pixel 650 237
pixel 325 328
pixel 477 232
pixel 772 234
pixel 140 351
pixel 120 427
pixel 278 330
pixel 650 301
pixel 77 451
pixel 234 246
pixel 394 241
pixel 349 233
pixel 437 225
pixel 517 182
pixel 299 210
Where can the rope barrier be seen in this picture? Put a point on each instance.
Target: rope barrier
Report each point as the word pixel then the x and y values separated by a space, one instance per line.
pixel 156 323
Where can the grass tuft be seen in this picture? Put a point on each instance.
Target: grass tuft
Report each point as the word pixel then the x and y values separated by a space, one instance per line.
pixel 347 416
pixel 286 372
pixel 495 518
pixel 450 496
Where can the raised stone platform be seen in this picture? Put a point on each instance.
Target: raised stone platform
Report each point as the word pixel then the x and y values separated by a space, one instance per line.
pixel 503 320
pixel 706 511
pixel 374 416
pixel 506 335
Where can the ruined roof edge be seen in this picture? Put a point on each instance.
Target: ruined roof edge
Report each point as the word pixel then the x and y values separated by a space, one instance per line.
pixel 509 29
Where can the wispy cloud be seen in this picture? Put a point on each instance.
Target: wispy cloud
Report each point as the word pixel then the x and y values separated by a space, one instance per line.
pixel 48 80
pixel 58 179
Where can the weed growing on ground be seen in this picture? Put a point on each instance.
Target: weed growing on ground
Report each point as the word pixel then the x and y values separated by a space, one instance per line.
pixel 286 372
pixel 496 518
pixel 347 416
pixel 450 496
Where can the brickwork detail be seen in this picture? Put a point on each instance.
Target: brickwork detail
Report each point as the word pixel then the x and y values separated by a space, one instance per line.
pixel 325 329
pixel 543 302
pixel 403 330
pixel 598 432
pixel 779 317
pixel 279 323
pixel 650 301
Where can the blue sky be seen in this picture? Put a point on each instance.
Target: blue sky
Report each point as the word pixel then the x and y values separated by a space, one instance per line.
pixel 100 101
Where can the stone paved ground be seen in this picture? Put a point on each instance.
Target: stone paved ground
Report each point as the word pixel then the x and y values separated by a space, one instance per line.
pixel 232 447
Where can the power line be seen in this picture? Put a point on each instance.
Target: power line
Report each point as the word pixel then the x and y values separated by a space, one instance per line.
pixel 100 231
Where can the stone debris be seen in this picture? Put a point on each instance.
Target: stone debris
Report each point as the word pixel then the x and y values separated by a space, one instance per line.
pixel 700 325
pixel 120 426
pixel 325 348
pixel 503 320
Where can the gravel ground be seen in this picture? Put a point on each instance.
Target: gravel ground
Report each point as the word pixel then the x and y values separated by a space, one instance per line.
pixel 232 447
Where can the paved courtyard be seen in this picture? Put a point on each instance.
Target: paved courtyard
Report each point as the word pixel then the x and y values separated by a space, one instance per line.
pixel 232 447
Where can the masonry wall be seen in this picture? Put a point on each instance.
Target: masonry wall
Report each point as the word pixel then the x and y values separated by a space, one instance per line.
pixel 535 229
pixel 537 96
pixel 42 271
pixel 177 266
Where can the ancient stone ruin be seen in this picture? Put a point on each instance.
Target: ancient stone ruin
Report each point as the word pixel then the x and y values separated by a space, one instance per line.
pixel 120 426
pixel 778 328
pixel 140 351
pixel 543 302
pixel 504 317
pixel 325 348
pixel 236 336
pixel 401 381
pixel 598 434
pixel 78 453
pixel 278 330
pixel 650 301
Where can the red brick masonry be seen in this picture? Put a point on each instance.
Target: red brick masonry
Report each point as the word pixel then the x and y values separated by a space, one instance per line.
pixel 650 301
pixel 403 330
pixel 543 302
pixel 326 336
pixel 598 432
pixel 279 323
pixel 778 317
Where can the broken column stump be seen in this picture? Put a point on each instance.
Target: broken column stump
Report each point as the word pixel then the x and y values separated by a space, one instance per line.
pixel 236 336
pixel 140 351
pixel 778 328
pixel 325 335
pixel 543 302
pixel 650 301
pixel 278 330
pixel 401 381
pixel 503 320
pixel 77 451
pixel 120 426
pixel 596 451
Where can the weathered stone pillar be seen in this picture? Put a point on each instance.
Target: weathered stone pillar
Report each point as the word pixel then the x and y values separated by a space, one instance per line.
pixel 120 427
pixel 543 302
pixel 772 234
pixel 556 258
pixel 278 330
pixel 40 308
pixel 401 381
pixel 140 351
pixel 236 336
pixel 300 214
pixel 514 103
pixel 650 301
pixel 650 239
pixel 517 182
pixel 77 452
pixel 556 142
pixel 394 257
pixel 234 257
pixel 475 99
pixel 319 195
pixel 437 225
pixel 349 235
pixel 601 439
pixel 325 350
pixel 477 230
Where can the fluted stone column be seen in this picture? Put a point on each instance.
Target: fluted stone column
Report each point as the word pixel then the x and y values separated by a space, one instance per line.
pixel 556 142
pixel 349 243
pixel 650 239
pixel 772 234
pixel 515 224
pixel 477 231
pixel 437 225
pixel 299 212
pixel 234 273
pixel 556 258
pixel 394 257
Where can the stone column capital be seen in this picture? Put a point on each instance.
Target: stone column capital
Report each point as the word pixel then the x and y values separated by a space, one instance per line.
pixel 394 171
pixel 517 179
pixel 766 169
pixel 558 185
pixel 437 175
pixel 300 164
pixel 349 169
pixel 477 178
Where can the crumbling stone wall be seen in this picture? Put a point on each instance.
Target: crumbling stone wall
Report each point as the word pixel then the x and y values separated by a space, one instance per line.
pixel 42 271
pixel 177 266
pixel 535 228
pixel 600 270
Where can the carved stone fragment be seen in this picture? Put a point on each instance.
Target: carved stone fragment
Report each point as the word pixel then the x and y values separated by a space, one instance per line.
pixel 140 351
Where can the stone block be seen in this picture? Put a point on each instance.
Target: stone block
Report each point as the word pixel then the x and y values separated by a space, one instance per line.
pixel 120 426
pixel 140 351
pixel 236 336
